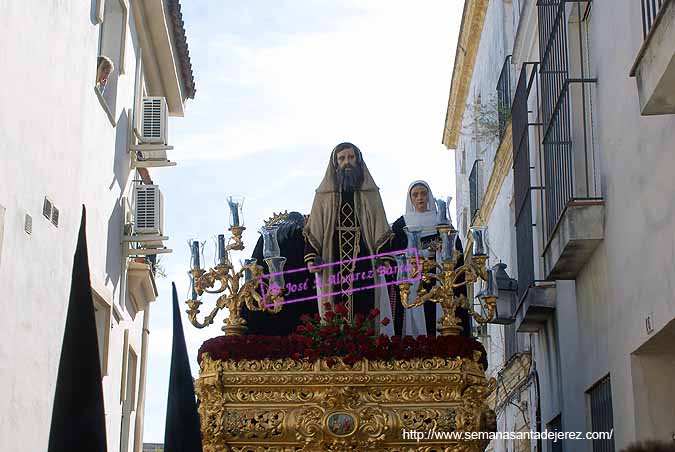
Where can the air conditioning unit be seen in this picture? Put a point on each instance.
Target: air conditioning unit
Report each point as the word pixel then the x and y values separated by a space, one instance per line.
pixel 154 117
pixel 148 210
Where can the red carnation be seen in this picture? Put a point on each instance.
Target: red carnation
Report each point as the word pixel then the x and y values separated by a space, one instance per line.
pixel 341 309
pixel 300 329
pixel 382 340
pixel 296 356
pixel 330 315
pixel 385 321
pixel 370 332
pixel 305 318
pixel 373 313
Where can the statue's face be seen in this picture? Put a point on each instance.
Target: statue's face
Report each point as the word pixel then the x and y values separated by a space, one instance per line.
pixel 419 195
pixel 349 171
pixel 346 158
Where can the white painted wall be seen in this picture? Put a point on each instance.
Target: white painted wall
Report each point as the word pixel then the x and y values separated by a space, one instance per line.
pixel 599 324
pixel 56 141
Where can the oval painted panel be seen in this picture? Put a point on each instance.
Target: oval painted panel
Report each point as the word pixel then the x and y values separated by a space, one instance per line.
pixel 341 424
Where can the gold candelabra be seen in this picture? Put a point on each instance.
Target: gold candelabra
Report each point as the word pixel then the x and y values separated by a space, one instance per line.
pixel 447 278
pixel 224 280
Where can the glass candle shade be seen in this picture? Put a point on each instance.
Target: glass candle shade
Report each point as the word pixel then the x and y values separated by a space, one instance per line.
pixel 414 236
pixel 222 256
pixel 192 293
pixel 403 269
pixel 478 235
pixel 448 246
pixel 270 241
pixel 248 273
pixel 442 217
pixel 196 254
pixel 491 289
pixel 276 267
pixel 236 204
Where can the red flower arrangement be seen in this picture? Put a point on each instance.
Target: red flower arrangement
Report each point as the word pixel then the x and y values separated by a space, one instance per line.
pixel 336 337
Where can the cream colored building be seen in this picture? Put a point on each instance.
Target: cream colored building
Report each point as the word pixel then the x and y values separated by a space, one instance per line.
pixel 561 118
pixel 66 141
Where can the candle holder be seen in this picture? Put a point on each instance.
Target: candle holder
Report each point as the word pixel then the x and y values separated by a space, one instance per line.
pixel 236 288
pixel 446 276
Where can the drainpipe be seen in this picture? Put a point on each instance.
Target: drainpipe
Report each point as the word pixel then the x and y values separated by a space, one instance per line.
pixel 536 378
pixel 140 407
pixel 537 389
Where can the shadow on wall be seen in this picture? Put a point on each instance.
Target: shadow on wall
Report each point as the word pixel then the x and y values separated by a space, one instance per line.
pixel 121 167
pixel 113 262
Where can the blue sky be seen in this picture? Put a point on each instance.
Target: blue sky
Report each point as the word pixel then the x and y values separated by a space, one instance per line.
pixel 279 84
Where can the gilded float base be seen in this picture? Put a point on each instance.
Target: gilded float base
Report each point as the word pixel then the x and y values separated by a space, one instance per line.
pixel 293 406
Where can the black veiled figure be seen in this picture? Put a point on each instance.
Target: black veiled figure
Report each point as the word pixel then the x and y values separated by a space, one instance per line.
pixel 291 245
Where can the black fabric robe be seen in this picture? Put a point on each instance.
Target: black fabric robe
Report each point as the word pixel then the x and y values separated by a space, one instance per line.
pixel 400 242
pixel 291 245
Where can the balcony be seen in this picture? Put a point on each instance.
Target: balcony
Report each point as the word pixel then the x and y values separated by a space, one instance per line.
pixel 535 307
pixel 577 235
pixel 654 67
pixel 572 206
pixel 141 284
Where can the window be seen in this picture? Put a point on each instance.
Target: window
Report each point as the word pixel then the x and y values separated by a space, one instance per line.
pixel 476 188
pixel 102 313
pixel 110 63
pixel 555 426
pixel 602 415
pixel 462 165
pixel 129 404
pixel 504 96
pixel 566 89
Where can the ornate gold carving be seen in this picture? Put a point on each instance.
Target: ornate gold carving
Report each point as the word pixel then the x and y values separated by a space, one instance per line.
pixel 448 279
pixel 285 405
pixel 224 279
pixel 276 218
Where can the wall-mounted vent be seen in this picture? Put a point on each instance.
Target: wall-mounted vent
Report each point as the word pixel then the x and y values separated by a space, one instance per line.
pixel 50 212
pixel 28 224
pixel 55 216
pixel 154 120
pixel 147 209
pixel 47 209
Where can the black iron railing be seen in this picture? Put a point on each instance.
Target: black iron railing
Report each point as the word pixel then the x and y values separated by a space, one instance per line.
pixel 522 181
pixel 602 414
pixel 504 96
pixel 567 159
pixel 650 14
pixel 475 188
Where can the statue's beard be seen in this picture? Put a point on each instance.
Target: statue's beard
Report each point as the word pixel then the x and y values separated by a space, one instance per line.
pixel 350 181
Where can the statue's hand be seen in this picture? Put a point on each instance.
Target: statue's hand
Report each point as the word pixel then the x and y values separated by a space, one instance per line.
pixel 311 266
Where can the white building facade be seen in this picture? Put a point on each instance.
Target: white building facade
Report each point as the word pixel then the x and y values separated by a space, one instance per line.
pixel 70 137
pixel 561 118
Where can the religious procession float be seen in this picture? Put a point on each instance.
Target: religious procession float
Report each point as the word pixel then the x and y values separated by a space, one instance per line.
pixel 316 356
